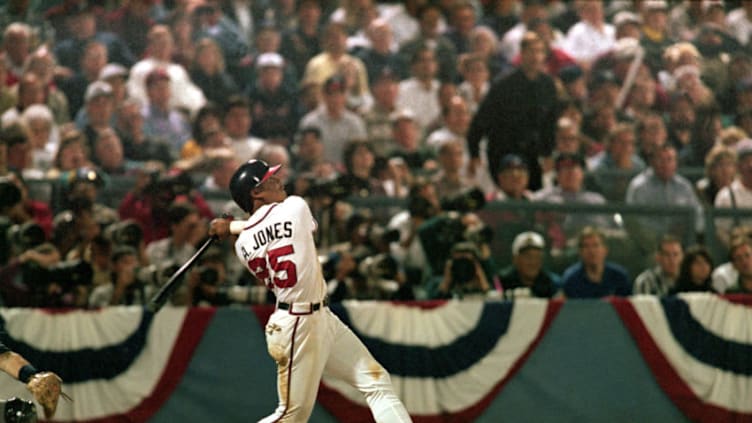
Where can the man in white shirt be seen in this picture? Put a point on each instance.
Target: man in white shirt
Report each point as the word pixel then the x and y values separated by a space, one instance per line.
pixel 421 91
pixel 591 36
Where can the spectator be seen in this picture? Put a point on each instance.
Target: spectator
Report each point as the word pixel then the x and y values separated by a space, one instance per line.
pixel 108 154
pixel 208 123
pixel 518 114
pixel 475 80
pixel 82 24
pixel 449 180
pixel 573 81
pixel 617 165
pixel 720 171
pixel 184 94
pixel 570 189
pixel 661 278
pixel 384 88
pixel 655 32
pixel 273 103
pixel 337 124
pixel 429 16
pixel 17 45
pixel 183 220
pixel 705 134
pixel 208 72
pixel 651 134
pixel 511 178
pixel 739 24
pixel 463 20
pixel 381 54
pixel 210 21
pixel 738 194
pixel 740 253
pixel 29 90
pixel 18 156
pixel 464 276
pixel 7 99
pixel 485 43
pixel 526 276
pixel 591 36
pixel 151 197
pixel 42 63
pixel 137 146
pixel 128 22
pixel 161 119
pixel 510 41
pixel 358 179
pixel 661 185
pixel 93 60
pixel 420 91
pixel 556 58
pixel 681 120
pixel 100 107
pixel 406 142
pixel 593 276
pixel 333 60
pixel 627 25
pixel 124 287
pixel 301 44
pixel 43 135
pixel 695 271
pixel 71 154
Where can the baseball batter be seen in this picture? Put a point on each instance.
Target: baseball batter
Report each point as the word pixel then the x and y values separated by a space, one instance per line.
pixel 303 336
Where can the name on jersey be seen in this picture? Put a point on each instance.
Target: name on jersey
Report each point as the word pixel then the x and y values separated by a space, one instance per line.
pixel 268 234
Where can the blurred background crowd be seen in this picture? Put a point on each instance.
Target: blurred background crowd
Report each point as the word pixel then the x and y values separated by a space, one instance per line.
pixel 448 148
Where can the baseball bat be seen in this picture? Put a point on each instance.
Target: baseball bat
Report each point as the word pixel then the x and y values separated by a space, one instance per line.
pixel 160 298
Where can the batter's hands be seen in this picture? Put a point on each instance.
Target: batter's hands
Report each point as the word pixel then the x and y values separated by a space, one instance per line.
pixel 46 387
pixel 219 228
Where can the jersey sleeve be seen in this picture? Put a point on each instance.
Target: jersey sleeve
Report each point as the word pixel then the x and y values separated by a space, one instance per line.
pixel 302 212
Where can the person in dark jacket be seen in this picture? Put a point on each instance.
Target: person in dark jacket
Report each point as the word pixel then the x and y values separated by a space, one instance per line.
pixel 519 113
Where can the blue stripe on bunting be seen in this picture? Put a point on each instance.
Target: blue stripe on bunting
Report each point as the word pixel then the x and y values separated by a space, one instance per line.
pixel 442 361
pixel 88 363
pixel 702 344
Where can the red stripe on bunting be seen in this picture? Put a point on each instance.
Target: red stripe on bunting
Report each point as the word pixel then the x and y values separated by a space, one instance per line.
pixel 347 411
pixel 195 323
pixel 665 374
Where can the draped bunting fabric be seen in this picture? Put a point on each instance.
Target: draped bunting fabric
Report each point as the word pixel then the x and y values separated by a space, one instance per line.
pixel 449 361
pixel 699 347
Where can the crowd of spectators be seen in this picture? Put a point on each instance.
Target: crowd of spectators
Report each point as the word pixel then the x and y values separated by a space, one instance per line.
pixel 136 113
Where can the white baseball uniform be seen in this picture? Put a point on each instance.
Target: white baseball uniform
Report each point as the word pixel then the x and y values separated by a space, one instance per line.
pixel 303 336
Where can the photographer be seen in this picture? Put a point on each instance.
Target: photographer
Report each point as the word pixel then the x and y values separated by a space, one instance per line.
pixel 124 288
pixel 464 276
pixel 15 290
pixel 153 193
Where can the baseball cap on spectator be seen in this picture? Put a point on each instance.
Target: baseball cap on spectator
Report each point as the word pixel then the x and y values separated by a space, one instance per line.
pixel 511 161
pixel 571 73
pixel 157 74
pixel 385 74
pixel 270 60
pixel 112 70
pixel 335 83
pixel 97 89
pixel 401 114
pixel 709 4
pixel 626 17
pixel 743 148
pixel 527 240
pixel 655 5
pixel 602 78
pixel 568 160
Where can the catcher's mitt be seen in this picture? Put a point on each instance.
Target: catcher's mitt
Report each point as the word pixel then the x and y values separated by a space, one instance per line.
pixel 46 387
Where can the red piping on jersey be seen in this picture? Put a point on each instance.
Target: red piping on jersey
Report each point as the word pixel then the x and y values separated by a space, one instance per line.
pixel 262 219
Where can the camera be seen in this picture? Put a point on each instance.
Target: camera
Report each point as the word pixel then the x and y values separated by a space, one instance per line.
pixel 208 275
pixel 466 201
pixel 380 273
pixel 127 232
pixel 157 274
pixel 462 265
pixel 326 189
pixel 24 236
pixel 67 274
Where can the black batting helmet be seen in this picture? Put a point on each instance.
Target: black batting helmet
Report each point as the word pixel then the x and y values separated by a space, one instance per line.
pixel 248 176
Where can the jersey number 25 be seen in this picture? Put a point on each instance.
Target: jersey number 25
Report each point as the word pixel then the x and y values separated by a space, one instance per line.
pixel 261 268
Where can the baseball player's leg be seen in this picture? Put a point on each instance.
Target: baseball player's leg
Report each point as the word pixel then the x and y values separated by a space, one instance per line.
pixel 351 361
pixel 296 343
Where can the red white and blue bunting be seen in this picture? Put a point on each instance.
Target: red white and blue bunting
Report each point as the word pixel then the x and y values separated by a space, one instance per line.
pixel 699 348
pixel 446 363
